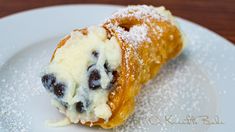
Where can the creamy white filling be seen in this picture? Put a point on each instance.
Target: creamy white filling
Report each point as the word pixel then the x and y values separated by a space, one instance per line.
pixel 70 66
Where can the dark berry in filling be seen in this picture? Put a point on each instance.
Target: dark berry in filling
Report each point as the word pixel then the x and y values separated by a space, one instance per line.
pixel 106 67
pixel 80 107
pixel 59 90
pixel 48 81
pixel 95 54
pixel 94 79
pixel 115 74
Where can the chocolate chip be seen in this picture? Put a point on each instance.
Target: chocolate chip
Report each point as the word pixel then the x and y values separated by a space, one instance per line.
pixel 94 79
pixel 59 90
pixel 80 107
pixel 115 74
pixel 48 81
pixel 106 67
pixel 95 54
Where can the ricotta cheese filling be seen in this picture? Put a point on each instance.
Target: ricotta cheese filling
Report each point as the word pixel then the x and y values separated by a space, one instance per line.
pixel 81 75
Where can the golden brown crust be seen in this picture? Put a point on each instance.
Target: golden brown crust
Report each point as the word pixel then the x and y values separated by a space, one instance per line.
pixel 139 63
pixel 135 71
pixel 62 43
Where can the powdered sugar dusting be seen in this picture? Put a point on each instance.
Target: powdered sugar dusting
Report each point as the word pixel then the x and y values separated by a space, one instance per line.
pixel 144 12
pixel 20 88
pixel 19 83
pixel 136 35
pixel 168 94
pixel 184 88
pixel 177 87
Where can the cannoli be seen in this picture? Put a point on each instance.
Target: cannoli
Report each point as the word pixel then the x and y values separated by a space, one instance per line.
pixel 95 73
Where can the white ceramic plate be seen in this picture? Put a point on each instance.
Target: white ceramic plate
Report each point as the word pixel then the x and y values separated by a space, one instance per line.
pixel 190 94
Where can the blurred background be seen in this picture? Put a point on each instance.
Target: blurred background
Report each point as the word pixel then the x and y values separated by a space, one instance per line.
pixel 217 15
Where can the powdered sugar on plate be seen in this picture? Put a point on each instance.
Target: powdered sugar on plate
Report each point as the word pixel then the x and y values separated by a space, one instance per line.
pixel 180 89
pixel 188 86
pixel 19 83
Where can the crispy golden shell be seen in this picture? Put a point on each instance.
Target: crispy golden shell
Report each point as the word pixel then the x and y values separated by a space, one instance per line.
pixel 139 63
